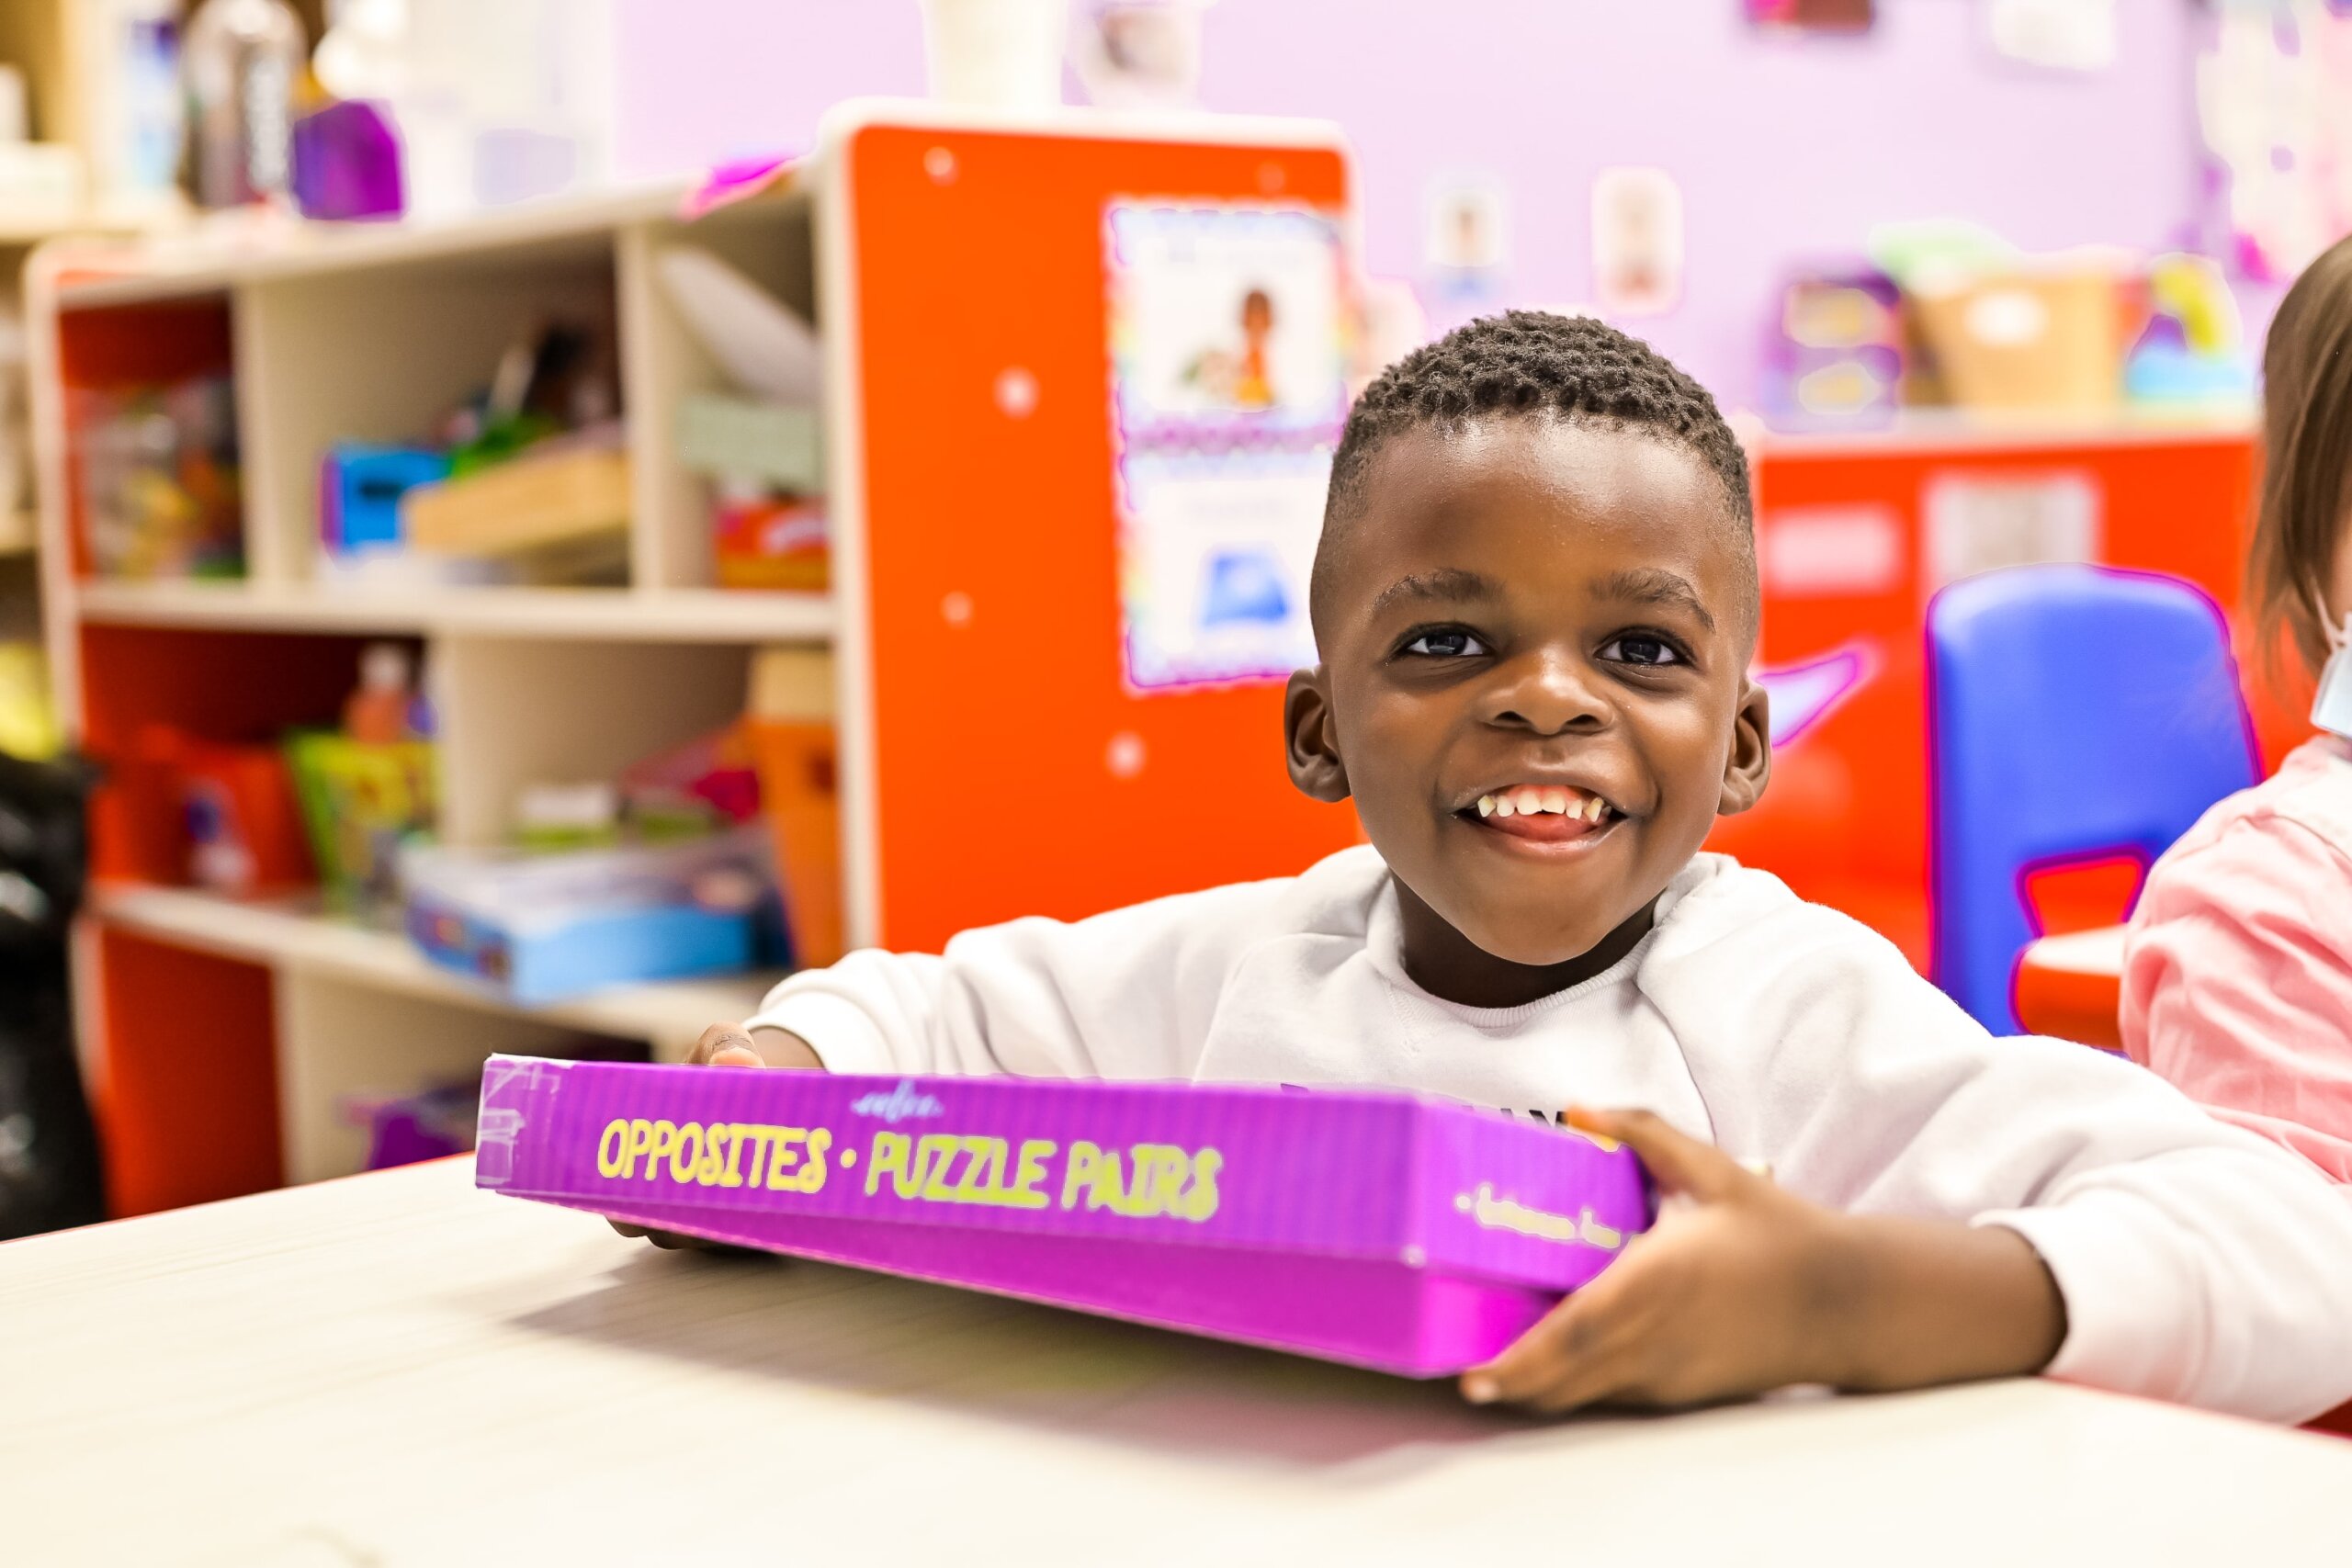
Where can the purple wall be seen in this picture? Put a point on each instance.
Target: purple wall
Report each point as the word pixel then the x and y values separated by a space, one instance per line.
pixel 1784 149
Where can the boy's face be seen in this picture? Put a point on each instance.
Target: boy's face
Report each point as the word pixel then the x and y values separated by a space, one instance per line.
pixel 1526 615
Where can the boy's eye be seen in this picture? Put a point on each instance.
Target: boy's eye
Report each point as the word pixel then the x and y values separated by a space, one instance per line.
pixel 1635 647
pixel 1451 642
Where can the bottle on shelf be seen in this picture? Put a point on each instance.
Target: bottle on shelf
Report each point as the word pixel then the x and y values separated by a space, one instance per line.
pixel 380 709
pixel 242 60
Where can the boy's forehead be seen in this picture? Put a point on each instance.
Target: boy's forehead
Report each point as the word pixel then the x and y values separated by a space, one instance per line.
pixel 1530 498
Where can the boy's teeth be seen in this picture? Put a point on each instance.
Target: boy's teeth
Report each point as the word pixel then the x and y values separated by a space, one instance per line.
pixel 1529 800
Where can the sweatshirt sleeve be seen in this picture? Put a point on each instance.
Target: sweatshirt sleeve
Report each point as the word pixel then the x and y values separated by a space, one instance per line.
pixel 2198 1262
pixel 1124 995
pixel 2238 983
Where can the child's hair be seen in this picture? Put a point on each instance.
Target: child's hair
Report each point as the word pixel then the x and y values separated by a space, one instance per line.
pixel 2307 453
pixel 1526 363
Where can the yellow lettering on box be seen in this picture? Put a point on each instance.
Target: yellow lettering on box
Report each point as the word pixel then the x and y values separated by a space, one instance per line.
pixel 1161 1170
pixel 685 1153
pixel 813 1172
pixel 1110 1185
pixel 1200 1199
pixel 665 1138
pixel 640 1142
pixel 1029 1170
pixel 782 1178
pixel 735 1141
pixel 611 1146
pixel 935 1154
pixel 1078 1172
pixel 712 1171
pixel 762 1139
pixel 888 1154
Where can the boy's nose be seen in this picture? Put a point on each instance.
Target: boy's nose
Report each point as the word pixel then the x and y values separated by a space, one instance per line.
pixel 1545 693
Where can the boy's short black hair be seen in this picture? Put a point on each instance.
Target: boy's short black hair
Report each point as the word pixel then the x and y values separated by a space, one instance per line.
pixel 1534 363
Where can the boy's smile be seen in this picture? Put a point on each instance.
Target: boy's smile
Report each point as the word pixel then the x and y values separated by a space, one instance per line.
pixel 1534 684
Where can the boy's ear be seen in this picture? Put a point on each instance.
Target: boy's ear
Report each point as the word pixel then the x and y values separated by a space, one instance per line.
pixel 1750 767
pixel 1313 751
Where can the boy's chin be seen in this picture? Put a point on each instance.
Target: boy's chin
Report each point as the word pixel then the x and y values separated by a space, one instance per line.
pixel 1515 944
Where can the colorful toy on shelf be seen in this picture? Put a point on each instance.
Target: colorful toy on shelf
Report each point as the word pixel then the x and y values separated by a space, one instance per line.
pixel 771 542
pixel 1837 357
pixel 28 726
pixel 158 478
pixel 556 512
pixel 1405 1233
pixel 545 926
pixel 707 784
pixel 361 802
pixel 242 826
pixel 347 163
pixel 790 727
pixel 360 486
pixel 2192 349
pixel 762 453
pixel 432 1123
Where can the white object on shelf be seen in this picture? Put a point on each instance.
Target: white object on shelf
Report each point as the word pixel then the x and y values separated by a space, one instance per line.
pixel 131 84
pixel 760 344
pixel 995 53
pixel 16 124
pixel 41 185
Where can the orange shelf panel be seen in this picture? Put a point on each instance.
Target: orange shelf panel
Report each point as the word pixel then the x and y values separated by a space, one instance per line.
pixel 187 1091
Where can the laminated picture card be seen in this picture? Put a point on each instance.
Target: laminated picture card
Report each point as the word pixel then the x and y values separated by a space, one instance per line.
pixel 1395 1231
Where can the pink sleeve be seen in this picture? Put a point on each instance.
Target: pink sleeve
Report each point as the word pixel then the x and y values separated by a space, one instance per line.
pixel 2238 983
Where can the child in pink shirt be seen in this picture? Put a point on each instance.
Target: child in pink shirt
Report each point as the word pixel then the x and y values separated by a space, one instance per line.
pixel 2237 970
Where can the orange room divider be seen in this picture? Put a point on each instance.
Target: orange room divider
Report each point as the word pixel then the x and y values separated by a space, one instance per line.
pixel 1854 533
pixel 996 761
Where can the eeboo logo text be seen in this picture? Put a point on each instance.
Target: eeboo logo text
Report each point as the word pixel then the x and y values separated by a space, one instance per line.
pixel 898 1105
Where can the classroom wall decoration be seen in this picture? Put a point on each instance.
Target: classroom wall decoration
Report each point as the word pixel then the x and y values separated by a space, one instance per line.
pixel 2056 35
pixel 2274 99
pixel 1229 356
pixel 1637 241
pixel 1814 15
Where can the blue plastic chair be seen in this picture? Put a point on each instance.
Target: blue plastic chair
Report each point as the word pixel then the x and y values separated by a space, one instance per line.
pixel 2074 714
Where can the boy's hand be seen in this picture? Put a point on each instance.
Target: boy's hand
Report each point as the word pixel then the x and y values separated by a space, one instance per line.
pixel 728 1045
pixel 1741 1288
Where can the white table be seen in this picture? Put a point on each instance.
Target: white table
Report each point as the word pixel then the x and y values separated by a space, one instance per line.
pixel 396 1370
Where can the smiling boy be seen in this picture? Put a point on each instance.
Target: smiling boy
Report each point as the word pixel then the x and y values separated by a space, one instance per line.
pixel 1535 602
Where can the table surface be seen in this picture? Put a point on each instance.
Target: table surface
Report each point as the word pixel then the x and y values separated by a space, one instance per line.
pixel 396 1369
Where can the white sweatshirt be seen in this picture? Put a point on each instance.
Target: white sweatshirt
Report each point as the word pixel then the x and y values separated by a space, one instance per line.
pixel 2199 1263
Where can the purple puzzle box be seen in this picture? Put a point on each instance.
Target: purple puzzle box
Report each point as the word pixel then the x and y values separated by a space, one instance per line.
pixel 1395 1231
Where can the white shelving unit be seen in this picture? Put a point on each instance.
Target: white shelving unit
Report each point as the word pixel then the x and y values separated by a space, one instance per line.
pixel 367 332
pixel 939 253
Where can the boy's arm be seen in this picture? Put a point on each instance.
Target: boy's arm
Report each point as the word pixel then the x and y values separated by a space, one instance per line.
pixel 1743 1287
pixel 2194 1261
pixel 1125 995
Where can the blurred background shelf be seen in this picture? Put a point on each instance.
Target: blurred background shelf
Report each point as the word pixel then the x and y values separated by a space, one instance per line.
pixel 675 614
pixel 296 935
